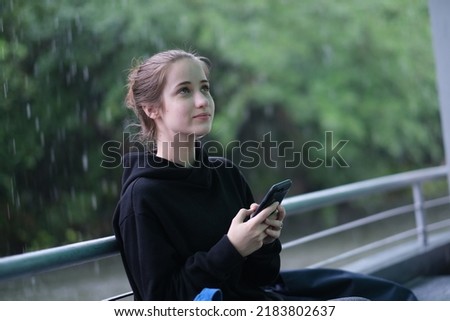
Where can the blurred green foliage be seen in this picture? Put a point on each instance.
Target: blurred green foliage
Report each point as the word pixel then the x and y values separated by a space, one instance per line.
pixel 362 70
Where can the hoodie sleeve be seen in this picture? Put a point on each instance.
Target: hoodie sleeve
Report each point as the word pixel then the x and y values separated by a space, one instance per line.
pixel 156 270
pixel 262 267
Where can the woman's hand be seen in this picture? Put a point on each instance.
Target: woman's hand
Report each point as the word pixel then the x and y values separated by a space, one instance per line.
pixel 249 236
pixel 275 224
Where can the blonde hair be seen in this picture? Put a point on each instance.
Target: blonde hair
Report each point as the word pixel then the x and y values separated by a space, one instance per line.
pixel 146 82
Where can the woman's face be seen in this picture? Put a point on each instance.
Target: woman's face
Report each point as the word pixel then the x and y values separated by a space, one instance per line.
pixel 188 108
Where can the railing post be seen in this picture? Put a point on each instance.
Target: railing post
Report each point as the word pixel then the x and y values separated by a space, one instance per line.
pixel 419 211
pixel 439 11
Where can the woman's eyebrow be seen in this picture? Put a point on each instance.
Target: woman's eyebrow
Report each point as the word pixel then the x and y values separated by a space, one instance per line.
pixel 187 82
pixel 183 83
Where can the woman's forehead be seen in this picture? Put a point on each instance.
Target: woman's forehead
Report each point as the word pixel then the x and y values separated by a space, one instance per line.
pixel 186 70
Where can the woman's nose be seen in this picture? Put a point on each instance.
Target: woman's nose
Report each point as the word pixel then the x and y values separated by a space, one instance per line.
pixel 200 100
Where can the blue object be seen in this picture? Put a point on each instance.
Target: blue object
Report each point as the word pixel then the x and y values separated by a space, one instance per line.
pixel 208 294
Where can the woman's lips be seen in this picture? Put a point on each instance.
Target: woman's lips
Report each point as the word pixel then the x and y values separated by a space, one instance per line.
pixel 203 116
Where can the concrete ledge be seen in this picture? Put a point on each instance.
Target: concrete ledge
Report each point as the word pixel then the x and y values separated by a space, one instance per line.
pixel 407 261
pixel 431 261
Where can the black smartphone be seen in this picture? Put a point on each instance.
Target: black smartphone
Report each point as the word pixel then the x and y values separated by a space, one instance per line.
pixel 275 194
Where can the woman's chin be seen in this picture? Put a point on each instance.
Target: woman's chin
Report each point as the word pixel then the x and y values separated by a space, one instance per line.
pixel 202 133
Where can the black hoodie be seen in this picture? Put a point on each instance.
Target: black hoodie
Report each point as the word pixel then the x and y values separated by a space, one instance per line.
pixel 171 224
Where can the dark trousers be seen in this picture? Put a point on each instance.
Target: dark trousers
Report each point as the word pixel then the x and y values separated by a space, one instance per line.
pixel 329 284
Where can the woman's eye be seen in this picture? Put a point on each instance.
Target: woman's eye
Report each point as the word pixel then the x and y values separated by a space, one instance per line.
pixel 205 88
pixel 184 90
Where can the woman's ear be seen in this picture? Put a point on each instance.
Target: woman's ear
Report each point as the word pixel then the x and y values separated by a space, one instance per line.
pixel 151 111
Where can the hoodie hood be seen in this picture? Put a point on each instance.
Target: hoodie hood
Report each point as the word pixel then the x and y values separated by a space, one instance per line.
pixel 148 165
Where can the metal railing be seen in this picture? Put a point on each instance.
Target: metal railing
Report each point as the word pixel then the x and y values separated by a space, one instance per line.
pixel 57 257
pixel 413 179
pixel 83 252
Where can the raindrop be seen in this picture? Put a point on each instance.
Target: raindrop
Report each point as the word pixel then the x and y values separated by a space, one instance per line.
pixel 68 78
pixel 18 200
pixel 86 73
pixel 42 139
pixel 78 23
pixel 5 89
pixel 73 69
pixel 85 161
pixel 35 69
pixel 12 191
pixel 26 82
pixel 54 46
pixel 94 201
pixel 1 25
pixel 36 123
pixel 108 115
pixel 28 111
pixel 14 146
pixel 114 188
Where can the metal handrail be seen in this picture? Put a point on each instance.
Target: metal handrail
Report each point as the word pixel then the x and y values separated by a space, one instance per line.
pixel 82 252
pixel 57 257
pixel 306 202
pixel 302 203
pixel 365 248
pixel 350 225
pixel 364 221
pixel 378 244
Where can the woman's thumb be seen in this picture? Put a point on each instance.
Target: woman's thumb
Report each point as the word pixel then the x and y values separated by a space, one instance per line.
pixel 242 215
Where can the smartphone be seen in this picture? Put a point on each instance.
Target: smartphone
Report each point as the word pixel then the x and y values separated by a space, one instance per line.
pixel 275 194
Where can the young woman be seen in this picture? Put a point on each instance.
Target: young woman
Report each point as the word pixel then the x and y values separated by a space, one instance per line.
pixel 183 218
pixel 183 221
